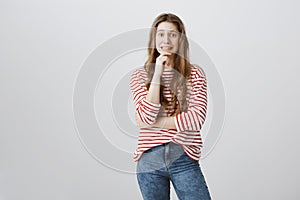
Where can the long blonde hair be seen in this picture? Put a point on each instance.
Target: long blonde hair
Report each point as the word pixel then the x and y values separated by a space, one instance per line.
pixel 182 66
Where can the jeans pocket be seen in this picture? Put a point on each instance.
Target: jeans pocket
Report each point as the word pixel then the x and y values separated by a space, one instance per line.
pixel 155 148
pixel 149 150
pixel 188 159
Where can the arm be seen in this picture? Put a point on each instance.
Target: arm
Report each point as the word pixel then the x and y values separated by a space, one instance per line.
pixel 154 89
pixel 194 118
pixel 146 104
pixel 161 122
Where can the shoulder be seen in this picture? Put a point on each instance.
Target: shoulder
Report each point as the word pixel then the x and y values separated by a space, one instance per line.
pixel 139 72
pixel 138 76
pixel 197 71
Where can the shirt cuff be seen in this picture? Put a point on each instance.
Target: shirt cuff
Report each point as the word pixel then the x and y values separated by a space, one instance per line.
pixel 152 106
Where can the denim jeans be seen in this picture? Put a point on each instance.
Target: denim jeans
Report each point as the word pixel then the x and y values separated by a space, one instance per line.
pixel 168 162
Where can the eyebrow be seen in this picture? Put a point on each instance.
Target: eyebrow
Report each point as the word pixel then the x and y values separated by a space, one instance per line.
pixel 167 29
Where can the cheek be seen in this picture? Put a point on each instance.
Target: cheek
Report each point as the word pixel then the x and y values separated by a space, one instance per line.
pixel 176 44
pixel 157 44
pixel 157 41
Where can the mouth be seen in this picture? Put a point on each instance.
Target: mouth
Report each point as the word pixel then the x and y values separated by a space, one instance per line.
pixel 166 48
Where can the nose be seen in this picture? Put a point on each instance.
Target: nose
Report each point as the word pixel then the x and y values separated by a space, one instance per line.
pixel 166 38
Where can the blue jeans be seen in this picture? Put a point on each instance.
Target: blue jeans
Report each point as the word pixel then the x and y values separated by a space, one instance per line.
pixel 168 162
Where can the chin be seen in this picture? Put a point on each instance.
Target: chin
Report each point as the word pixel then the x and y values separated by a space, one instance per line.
pixel 160 51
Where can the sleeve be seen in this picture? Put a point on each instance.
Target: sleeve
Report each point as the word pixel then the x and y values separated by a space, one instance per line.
pixel 146 110
pixel 194 118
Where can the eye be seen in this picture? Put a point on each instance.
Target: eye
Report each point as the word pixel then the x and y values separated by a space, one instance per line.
pixel 174 35
pixel 160 34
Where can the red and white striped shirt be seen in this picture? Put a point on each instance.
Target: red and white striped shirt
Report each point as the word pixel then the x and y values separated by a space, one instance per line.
pixel 188 124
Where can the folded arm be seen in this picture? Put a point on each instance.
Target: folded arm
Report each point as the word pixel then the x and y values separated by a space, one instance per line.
pixel 161 122
pixel 193 119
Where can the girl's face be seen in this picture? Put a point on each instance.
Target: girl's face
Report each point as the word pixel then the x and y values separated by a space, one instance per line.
pixel 167 38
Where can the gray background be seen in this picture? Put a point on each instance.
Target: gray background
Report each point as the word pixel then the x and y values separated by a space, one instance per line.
pixel 43 45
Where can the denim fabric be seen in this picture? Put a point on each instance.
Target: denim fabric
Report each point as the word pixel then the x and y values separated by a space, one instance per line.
pixel 168 162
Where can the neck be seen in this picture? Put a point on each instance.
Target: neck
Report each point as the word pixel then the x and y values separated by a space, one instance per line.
pixel 170 62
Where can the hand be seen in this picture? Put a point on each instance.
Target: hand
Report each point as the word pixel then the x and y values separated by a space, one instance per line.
pixel 161 60
pixel 161 122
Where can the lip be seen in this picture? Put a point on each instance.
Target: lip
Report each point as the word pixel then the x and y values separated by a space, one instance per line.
pixel 166 47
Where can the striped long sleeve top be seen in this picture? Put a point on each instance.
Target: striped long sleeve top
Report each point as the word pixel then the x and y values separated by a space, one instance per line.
pixel 188 124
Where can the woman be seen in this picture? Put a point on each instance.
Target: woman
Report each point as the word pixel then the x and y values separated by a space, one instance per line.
pixel 170 99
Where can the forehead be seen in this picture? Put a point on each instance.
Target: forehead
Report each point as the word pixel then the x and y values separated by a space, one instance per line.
pixel 163 26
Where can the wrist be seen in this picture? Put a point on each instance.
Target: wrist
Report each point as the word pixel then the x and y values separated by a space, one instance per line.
pixel 156 78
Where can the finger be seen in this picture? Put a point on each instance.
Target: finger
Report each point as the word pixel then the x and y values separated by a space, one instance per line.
pixel 164 58
pixel 165 53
